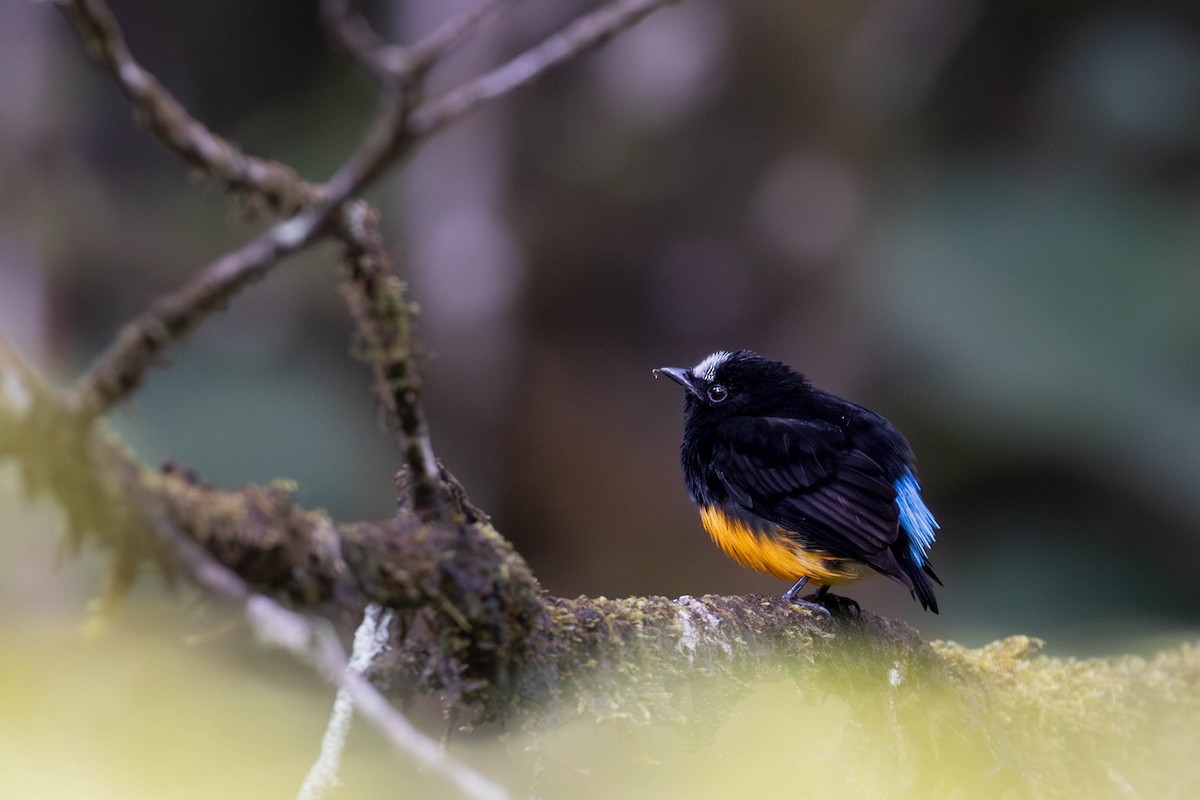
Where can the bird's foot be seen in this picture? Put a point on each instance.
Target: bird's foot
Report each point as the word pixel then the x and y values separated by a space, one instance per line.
pixel 834 604
pixel 816 608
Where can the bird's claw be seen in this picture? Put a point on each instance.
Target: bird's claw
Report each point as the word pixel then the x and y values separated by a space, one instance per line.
pixel 811 606
pixel 838 605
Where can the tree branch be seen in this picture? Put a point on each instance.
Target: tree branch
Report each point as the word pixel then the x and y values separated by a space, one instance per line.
pixel 376 297
pixel 316 644
pixel 395 64
pixel 578 37
pixel 121 368
pixel 277 184
pixel 488 640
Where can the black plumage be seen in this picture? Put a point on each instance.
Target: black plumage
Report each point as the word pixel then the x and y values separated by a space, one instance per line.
pixel 784 459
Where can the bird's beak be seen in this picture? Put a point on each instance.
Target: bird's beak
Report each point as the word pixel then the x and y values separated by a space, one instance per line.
pixel 680 375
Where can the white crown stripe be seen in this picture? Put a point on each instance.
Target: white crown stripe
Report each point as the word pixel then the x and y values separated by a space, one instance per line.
pixel 708 367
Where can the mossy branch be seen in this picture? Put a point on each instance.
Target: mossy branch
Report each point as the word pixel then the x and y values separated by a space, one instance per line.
pixel 477 630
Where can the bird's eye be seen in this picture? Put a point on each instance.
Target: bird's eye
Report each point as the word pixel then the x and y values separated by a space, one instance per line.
pixel 717 393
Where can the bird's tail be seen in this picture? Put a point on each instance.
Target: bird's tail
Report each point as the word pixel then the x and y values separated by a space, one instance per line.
pixel 923 578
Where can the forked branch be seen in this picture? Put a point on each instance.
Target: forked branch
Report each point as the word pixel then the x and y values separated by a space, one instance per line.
pixel 381 310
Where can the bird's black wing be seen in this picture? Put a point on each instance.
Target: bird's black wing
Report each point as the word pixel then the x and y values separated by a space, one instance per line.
pixel 808 477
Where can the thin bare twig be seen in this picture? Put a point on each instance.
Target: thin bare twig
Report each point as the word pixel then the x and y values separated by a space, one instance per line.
pixel 315 643
pixel 585 33
pixel 276 183
pixel 417 58
pixel 393 63
pixel 354 34
pixel 120 369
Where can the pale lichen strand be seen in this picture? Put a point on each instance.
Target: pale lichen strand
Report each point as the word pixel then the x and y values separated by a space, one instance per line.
pixel 698 626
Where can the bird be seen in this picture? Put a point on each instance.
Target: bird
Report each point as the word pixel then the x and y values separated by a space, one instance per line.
pixel 798 483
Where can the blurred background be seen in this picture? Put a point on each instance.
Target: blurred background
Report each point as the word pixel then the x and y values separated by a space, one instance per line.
pixel 979 219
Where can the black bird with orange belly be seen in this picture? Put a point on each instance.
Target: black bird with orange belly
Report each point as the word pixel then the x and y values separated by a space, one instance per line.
pixel 798 483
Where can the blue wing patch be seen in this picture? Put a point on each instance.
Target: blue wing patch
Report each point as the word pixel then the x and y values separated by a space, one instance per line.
pixel 914 516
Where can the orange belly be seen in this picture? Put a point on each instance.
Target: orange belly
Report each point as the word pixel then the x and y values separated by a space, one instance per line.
pixel 773 552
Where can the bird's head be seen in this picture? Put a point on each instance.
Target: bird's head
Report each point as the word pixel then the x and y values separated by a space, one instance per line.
pixel 727 384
